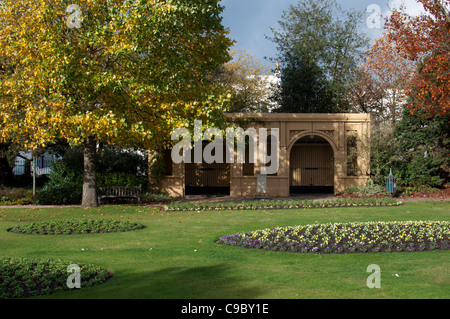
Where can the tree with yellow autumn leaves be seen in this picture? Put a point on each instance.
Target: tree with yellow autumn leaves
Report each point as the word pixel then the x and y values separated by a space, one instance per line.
pixel 120 72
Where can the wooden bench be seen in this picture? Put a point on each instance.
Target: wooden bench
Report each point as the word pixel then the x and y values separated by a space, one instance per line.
pixel 120 192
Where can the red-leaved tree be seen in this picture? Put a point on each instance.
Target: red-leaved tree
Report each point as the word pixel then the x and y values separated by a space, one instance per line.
pixel 425 39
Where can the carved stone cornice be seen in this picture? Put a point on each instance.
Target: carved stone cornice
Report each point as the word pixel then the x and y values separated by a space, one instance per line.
pixel 330 133
pixel 294 132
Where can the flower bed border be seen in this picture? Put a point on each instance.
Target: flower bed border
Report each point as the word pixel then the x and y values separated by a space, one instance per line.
pixel 282 204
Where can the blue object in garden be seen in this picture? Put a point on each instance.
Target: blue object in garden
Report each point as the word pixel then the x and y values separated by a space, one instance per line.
pixel 391 184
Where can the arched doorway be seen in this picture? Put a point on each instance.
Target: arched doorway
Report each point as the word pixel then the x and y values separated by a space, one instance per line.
pixel 311 163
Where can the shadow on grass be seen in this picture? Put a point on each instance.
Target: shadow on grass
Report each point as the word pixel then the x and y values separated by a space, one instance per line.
pixel 208 282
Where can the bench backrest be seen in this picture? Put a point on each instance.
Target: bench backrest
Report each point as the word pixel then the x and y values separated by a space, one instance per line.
pixel 121 190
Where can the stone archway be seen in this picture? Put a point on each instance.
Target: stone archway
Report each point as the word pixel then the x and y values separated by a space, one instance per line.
pixel 311 165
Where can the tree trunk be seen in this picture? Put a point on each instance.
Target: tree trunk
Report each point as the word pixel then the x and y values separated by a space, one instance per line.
pixel 89 174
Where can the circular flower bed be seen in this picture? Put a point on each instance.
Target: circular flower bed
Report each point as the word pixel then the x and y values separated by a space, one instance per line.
pixel 76 226
pixel 23 277
pixel 369 237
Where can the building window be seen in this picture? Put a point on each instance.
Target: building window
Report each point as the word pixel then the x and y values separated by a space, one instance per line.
pixel 248 168
pixel 352 156
pixel 168 168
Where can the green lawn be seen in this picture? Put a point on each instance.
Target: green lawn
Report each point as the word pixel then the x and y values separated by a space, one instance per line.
pixel 176 256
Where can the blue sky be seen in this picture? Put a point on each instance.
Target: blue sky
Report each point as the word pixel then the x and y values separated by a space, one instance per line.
pixel 250 21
